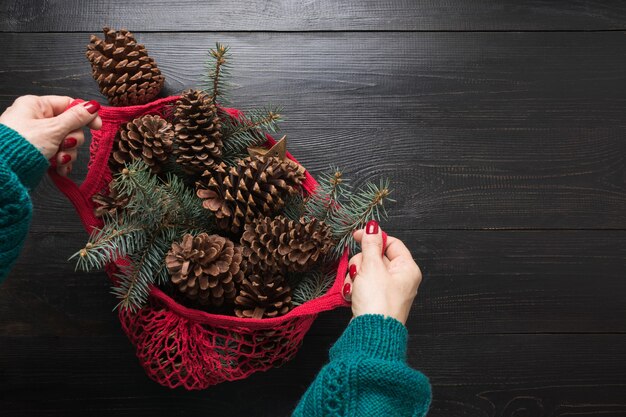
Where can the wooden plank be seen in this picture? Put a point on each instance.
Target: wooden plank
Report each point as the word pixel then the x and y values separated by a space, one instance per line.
pixel 492 375
pixel 318 15
pixel 475 130
pixel 474 283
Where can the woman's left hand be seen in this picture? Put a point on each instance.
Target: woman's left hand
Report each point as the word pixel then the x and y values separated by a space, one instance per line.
pixel 55 132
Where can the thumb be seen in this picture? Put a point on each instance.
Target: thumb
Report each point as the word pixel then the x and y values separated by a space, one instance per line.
pixel 372 243
pixel 77 116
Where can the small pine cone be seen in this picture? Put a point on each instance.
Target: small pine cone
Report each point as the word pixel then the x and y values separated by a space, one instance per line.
pixel 206 268
pixel 281 244
pixel 111 203
pixel 198 137
pixel 147 137
pixel 125 73
pixel 263 296
pixel 258 185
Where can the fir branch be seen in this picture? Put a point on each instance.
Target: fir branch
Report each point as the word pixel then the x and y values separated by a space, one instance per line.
pixel 325 202
pixel 311 286
pixel 294 207
pixel 366 204
pixel 218 73
pixel 115 240
pixel 248 130
pixel 146 268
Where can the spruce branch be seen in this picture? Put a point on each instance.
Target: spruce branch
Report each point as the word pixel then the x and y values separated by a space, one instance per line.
pixel 368 203
pixel 312 285
pixel 247 130
pixel 115 240
pixel 325 202
pixel 218 73
pixel 294 207
pixel 159 211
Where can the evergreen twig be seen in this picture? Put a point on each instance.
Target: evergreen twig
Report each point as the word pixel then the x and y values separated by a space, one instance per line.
pixel 159 211
pixel 248 130
pixel 218 73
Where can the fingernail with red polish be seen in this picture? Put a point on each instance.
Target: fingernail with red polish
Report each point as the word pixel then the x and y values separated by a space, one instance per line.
pixel 69 170
pixel 352 271
pixel 69 143
pixel 65 159
pixel 372 227
pixel 92 106
pixel 347 288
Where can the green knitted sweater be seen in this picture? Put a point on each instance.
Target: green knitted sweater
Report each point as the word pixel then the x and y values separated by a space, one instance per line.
pixel 21 169
pixel 367 374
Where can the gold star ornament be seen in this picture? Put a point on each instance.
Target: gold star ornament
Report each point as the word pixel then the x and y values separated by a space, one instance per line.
pixel 279 150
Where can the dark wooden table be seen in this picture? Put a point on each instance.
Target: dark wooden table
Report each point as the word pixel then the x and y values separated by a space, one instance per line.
pixel 502 127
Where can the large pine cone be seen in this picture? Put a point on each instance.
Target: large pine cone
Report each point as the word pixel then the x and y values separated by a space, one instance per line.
pixel 111 203
pixel 147 137
pixel 125 73
pixel 198 137
pixel 285 245
pixel 258 185
pixel 263 296
pixel 206 268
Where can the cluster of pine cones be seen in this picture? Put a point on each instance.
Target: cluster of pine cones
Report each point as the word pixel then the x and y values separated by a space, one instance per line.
pixel 246 265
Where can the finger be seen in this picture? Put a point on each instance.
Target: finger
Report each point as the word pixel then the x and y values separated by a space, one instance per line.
pixel 77 116
pixel 346 290
pixel 95 124
pixel 74 139
pixel 55 105
pixel 354 265
pixel 396 249
pixel 64 158
pixel 372 243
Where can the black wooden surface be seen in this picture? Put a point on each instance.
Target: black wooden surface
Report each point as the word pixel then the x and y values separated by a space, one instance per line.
pixel 502 126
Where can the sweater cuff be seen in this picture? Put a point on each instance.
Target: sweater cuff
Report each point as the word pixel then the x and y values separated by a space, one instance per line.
pixel 374 336
pixel 22 157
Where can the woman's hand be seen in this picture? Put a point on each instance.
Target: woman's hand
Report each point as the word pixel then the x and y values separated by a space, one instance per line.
pixel 56 133
pixel 381 280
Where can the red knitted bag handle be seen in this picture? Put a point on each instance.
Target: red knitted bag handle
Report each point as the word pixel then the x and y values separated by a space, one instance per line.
pixel 98 174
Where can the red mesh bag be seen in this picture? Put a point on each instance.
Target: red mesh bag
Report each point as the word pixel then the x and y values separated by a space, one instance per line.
pixel 176 345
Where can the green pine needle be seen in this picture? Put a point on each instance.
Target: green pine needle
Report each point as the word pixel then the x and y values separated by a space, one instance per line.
pixel 311 285
pixel 241 133
pixel 218 73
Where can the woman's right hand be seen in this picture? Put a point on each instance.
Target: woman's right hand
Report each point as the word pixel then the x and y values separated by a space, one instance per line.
pixel 381 280
pixel 48 124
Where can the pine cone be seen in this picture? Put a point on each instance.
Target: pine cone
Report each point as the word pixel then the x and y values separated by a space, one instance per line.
pixel 125 73
pixel 198 137
pixel 147 137
pixel 111 203
pixel 257 185
pixel 206 268
pixel 263 296
pixel 281 244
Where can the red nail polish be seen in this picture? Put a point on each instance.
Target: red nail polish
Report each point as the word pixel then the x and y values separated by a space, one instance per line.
pixel 92 106
pixel 69 143
pixel 65 159
pixel 69 170
pixel 347 288
pixel 372 227
pixel 352 270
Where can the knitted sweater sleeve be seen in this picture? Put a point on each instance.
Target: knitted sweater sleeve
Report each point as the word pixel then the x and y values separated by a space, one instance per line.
pixel 21 169
pixel 368 375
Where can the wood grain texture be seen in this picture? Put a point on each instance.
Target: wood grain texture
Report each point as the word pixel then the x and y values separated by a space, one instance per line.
pixel 484 115
pixel 478 376
pixel 313 15
pixel 475 130
pixel 476 282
